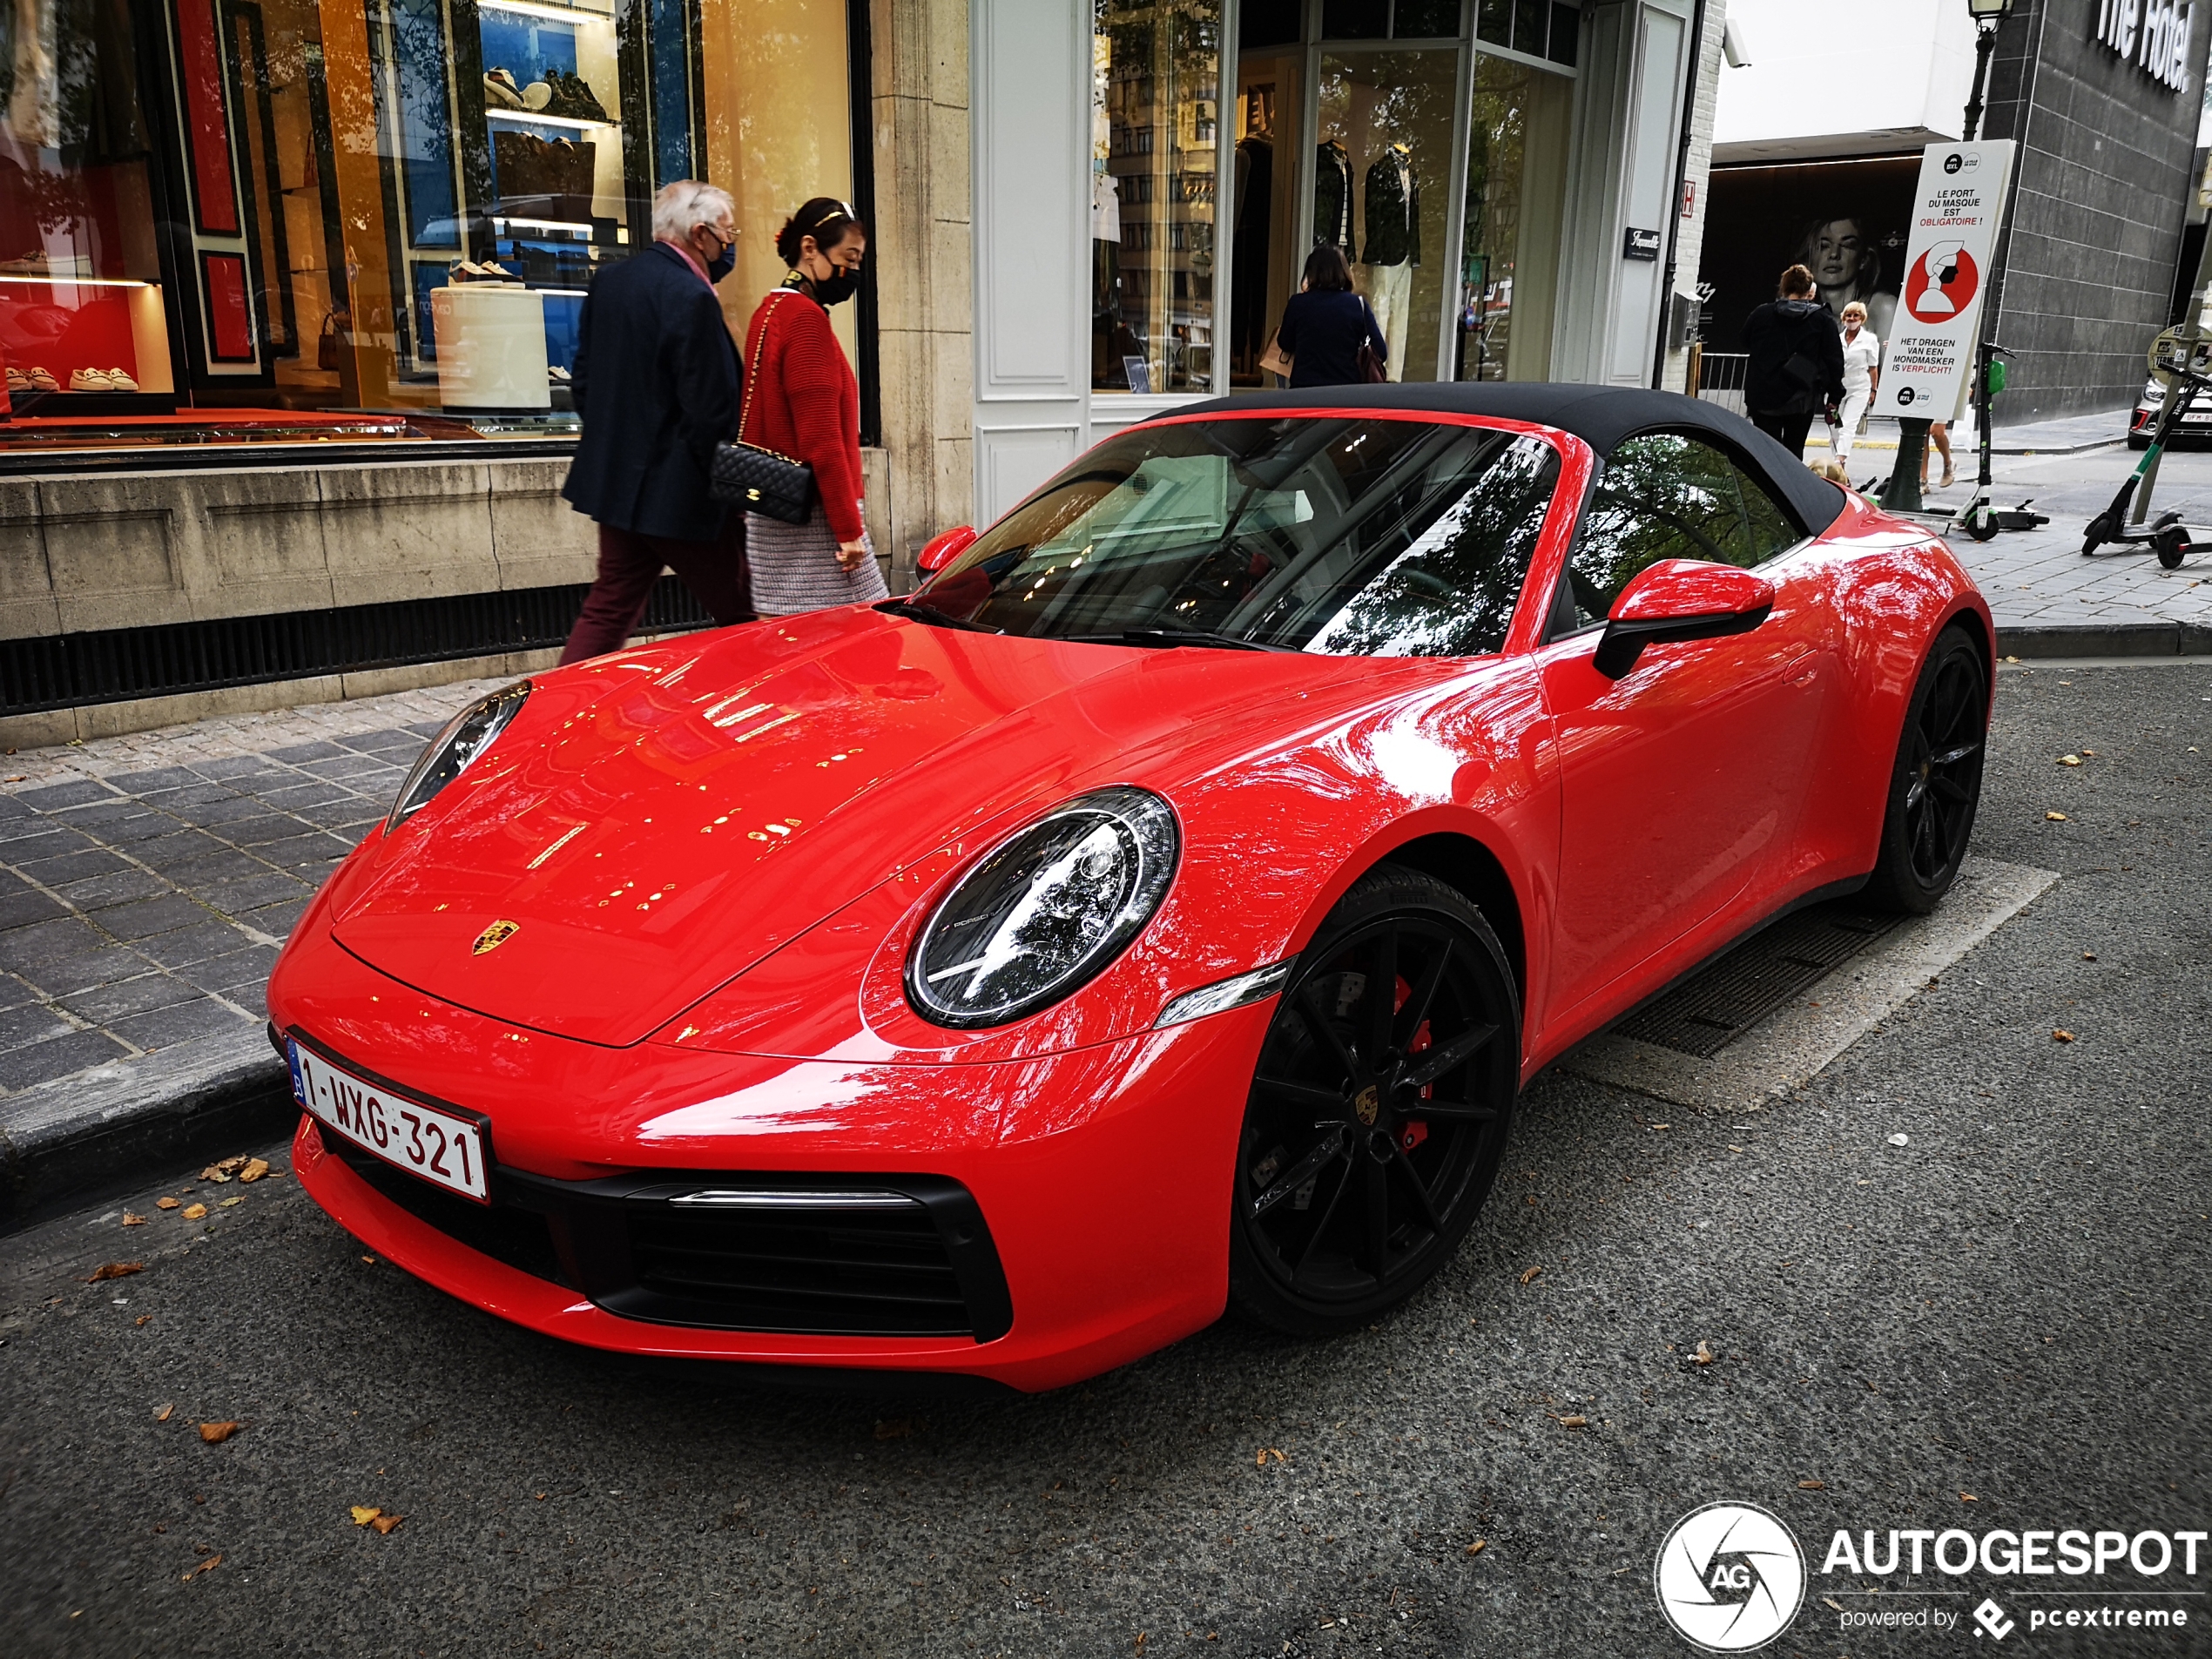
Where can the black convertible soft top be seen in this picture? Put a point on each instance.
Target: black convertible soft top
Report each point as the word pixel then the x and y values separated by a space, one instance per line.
pixel 1600 415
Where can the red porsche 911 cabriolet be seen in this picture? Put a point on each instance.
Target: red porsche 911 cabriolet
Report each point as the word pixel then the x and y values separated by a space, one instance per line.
pixel 1157 912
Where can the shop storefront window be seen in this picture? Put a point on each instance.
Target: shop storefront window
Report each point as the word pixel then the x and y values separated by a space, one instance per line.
pixel 224 219
pixel 1516 183
pixel 1355 139
pixel 1384 136
pixel 1155 119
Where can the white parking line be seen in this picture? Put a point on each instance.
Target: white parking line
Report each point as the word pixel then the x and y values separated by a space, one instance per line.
pixel 1794 1043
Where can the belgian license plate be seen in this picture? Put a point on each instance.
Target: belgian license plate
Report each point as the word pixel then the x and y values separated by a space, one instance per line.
pixel 428 1141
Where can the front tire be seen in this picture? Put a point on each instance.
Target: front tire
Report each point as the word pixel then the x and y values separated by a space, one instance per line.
pixel 1378 1109
pixel 1935 785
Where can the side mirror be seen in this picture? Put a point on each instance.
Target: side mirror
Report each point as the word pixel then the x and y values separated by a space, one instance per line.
pixel 1680 599
pixel 939 551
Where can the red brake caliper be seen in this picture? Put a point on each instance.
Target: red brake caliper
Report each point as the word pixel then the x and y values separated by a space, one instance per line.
pixel 1411 1134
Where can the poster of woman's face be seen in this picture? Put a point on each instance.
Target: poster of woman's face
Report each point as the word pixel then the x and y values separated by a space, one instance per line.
pixel 1844 221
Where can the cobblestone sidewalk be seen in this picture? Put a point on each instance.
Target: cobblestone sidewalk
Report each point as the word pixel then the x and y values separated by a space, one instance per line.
pixel 145 884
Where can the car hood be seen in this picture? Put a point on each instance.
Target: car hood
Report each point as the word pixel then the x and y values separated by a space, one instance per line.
pixel 618 855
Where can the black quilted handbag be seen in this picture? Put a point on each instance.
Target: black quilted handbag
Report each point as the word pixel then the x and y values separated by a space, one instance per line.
pixel 761 480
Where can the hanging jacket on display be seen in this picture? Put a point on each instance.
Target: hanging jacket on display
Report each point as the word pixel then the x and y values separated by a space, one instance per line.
pixel 1248 274
pixel 1394 210
pixel 1333 196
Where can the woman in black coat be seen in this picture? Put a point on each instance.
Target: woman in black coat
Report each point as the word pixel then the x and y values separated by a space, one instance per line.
pixel 1326 324
pixel 1794 361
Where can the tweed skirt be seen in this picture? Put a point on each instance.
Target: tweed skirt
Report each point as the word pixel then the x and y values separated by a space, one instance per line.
pixel 794 567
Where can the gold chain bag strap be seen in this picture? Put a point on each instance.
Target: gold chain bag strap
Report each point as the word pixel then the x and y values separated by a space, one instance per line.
pixel 757 479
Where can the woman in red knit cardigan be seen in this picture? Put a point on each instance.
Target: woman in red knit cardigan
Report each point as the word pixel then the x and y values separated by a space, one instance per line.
pixel 802 400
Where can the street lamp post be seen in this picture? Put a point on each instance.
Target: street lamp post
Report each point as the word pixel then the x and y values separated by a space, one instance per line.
pixel 1902 493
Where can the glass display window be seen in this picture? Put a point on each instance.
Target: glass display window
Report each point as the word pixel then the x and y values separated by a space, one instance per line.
pixel 82 322
pixel 1156 97
pixel 1382 171
pixel 1417 138
pixel 1516 192
pixel 267 218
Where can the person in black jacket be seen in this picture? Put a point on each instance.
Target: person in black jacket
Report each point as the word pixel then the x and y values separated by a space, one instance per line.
pixel 1794 365
pixel 657 382
pixel 1326 323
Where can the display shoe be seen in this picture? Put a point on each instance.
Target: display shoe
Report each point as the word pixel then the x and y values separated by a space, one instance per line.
pixel 120 381
pixel 90 380
pixel 537 95
pixel 17 381
pixel 585 106
pixel 499 91
pixel 43 381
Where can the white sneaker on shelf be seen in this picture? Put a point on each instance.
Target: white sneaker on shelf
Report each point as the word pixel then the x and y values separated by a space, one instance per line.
pixel 119 381
pixel 501 91
pixel 90 380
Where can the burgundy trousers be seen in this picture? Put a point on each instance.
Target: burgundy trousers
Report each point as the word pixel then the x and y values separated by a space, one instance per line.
pixel 630 561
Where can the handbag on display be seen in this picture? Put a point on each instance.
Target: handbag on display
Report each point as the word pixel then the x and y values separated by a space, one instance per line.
pixel 1272 360
pixel 327 343
pixel 758 479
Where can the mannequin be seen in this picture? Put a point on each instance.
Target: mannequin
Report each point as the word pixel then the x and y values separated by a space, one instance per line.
pixel 1333 195
pixel 1254 209
pixel 1394 247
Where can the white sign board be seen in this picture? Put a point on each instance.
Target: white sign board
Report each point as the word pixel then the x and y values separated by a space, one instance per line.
pixel 1927 362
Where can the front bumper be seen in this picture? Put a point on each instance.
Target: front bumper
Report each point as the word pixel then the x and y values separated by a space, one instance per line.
pixel 1098 1182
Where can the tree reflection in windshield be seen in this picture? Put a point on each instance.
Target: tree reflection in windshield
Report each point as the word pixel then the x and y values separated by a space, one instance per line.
pixel 1351 537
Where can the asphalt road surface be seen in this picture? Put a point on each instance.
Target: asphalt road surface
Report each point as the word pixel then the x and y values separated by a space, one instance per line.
pixel 2012 1305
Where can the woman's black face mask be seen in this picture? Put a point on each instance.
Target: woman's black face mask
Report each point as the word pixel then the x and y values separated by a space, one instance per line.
pixel 838 288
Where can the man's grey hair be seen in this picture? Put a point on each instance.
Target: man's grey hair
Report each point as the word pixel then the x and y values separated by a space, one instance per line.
pixel 688 202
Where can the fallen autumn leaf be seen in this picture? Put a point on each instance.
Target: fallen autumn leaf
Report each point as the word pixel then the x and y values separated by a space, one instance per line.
pixel 362 1516
pixel 1530 1274
pixel 165 1414
pixel 1812 1486
pixel 1704 1356
pixel 1478 1545
pixel 255 1169
pixel 207 1566
pixel 116 1269
pixel 166 1203
pixel 1573 1422
pixel 2055 818
pixel 385 1523
pixel 216 1433
pixel 2061 1035
pixel 129 1220
pixel 2069 761
pixel 195 1212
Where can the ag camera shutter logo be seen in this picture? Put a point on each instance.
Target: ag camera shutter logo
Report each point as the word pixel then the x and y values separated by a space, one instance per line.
pixel 1731 1577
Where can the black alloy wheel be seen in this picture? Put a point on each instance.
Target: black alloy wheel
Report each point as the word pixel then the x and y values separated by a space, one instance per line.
pixel 1379 1109
pixel 1936 785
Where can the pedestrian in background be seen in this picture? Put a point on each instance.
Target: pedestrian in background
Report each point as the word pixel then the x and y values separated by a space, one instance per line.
pixel 657 382
pixel 1794 361
pixel 1939 441
pixel 1326 324
pixel 1862 376
pixel 802 402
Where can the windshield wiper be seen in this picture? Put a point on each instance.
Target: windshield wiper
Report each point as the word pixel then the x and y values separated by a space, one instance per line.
pixel 1170 637
pixel 935 618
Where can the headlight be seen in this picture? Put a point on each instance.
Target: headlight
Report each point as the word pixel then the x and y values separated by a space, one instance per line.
pixel 1046 910
pixel 467 735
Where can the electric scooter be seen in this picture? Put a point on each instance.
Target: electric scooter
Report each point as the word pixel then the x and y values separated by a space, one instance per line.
pixel 2167 536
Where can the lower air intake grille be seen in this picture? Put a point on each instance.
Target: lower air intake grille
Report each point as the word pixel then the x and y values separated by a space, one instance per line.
pixel 503 1232
pixel 877 1271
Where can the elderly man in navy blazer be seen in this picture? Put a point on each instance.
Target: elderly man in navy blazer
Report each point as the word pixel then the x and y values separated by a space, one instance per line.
pixel 658 382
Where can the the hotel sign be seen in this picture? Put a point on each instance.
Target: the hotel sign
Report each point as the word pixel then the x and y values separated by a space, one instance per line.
pixel 2153 34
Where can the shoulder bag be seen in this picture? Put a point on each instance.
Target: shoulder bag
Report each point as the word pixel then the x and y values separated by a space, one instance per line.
pixel 761 481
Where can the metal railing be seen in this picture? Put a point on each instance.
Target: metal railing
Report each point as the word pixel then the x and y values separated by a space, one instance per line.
pixel 1718 376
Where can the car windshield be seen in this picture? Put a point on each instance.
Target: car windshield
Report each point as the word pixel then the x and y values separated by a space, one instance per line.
pixel 1349 537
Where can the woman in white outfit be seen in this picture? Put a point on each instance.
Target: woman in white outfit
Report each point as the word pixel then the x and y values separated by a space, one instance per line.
pixel 1862 374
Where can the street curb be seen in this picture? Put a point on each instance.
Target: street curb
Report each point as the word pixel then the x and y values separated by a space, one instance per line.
pixel 137 1116
pixel 2114 639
